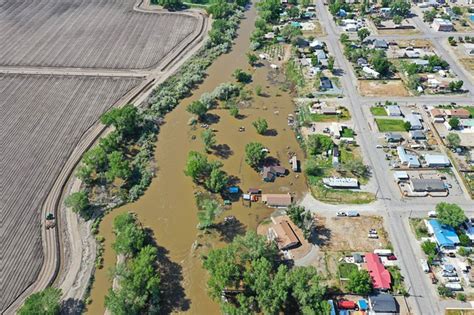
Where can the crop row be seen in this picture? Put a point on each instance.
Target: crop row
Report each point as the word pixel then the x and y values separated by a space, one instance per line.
pixel 87 34
pixel 42 120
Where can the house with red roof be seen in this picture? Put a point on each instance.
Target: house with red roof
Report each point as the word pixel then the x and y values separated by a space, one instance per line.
pixel 380 276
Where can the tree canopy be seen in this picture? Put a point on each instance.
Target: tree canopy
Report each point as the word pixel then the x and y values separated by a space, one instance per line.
pixel 454 140
pixel 450 214
pixel 126 120
pixel 46 302
pixel 360 282
pixel 209 139
pixel 255 154
pixel 79 203
pixel 197 108
pixel 249 264
pixel 400 8
pixel 261 125
pixel 317 144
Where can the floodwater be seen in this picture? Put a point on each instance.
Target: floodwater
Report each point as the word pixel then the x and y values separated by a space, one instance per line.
pixel 168 207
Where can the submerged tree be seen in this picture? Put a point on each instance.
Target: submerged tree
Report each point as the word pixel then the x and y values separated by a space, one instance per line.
pixel 209 139
pixel 261 125
pixel 255 154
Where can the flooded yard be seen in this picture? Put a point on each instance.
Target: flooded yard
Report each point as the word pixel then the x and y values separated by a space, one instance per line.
pixel 168 207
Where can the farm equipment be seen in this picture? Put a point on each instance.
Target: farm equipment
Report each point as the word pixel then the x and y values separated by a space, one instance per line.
pixel 50 221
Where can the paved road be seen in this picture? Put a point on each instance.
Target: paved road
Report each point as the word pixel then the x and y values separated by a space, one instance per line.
pixel 423 299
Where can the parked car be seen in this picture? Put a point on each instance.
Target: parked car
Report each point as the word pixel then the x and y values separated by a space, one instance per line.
pixel 432 214
pixel 353 213
pixel 379 146
pixel 347 305
pixel 424 265
pixel 372 235
pixel 341 214
pixel 392 257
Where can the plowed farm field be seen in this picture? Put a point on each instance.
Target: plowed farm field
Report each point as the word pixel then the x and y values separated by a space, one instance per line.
pixel 88 34
pixel 42 119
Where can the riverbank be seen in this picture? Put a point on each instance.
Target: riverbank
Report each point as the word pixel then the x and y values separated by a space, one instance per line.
pixel 168 207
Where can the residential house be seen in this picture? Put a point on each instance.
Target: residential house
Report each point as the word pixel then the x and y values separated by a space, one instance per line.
pixel 417 135
pixel 442 25
pixel 371 72
pixel 420 62
pixel 321 54
pixel 393 110
pixel 380 44
pixel 400 175
pixel 271 172
pixel 380 276
pixel 407 159
pixel 467 123
pixel 316 44
pixel 445 235
pixel 284 235
pixel 460 113
pixel 277 200
pixel 382 303
pixel 437 115
pixel 362 62
pixel 341 182
pixel 437 160
pixel 414 120
pixel 393 137
pixel 325 83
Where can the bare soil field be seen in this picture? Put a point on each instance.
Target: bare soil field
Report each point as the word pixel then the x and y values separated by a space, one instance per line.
pixel 382 88
pixel 42 119
pixel 88 34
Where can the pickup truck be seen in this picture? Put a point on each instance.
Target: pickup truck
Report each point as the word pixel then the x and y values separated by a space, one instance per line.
pixel 352 213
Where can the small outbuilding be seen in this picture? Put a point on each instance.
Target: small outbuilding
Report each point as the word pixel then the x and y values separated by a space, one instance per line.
pixel 417 135
pixel 383 303
pixel 437 160
pixel 393 137
pixel 277 200
pixel 393 110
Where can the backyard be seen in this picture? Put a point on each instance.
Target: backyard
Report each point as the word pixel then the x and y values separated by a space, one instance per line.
pixel 385 125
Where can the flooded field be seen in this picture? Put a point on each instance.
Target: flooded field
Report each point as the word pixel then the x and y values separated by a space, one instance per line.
pixel 168 207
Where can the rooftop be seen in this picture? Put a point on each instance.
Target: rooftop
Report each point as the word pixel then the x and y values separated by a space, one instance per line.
pixel 380 276
pixel 383 303
pixel 286 236
pixel 427 184
pixel 445 235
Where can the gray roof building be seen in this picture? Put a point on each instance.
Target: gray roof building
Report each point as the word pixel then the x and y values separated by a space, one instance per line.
pixel 380 43
pixel 417 135
pixel 414 122
pixel 393 137
pixel 383 303
pixel 427 185
pixel 393 110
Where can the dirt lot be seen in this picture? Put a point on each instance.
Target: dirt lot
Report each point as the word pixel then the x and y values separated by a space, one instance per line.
pixel 88 34
pixel 415 43
pixel 381 88
pixel 42 119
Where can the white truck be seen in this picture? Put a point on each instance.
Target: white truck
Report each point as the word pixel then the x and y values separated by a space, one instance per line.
pixel 454 286
pixel 424 265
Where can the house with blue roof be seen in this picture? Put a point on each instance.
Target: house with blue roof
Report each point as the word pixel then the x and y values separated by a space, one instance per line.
pixel 445 235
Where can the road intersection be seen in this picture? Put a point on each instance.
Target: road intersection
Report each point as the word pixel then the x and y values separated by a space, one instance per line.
pixel 395 210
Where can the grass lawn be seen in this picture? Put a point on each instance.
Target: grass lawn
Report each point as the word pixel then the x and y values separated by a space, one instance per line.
pixel 378 111
pixel 334 196
pixel 390 124
pixel 345 269
pixel 347 133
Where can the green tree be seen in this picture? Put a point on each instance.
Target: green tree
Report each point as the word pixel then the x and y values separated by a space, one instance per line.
pixel 118 167
pixel 344 38
pixel 454 122
pixel 294 12
pixel 363 33
pixel 429 248
pixel 464 240
pixel 198 108
pixel 360 282
pixel 407 125
pixel 126 120
pixel 197 166
pixel 381 64
pixel 46 302
pixel 261 125
pixel 139 290
pixel 306 289
pixel 168 4
pixel 84 173
pixel 242 76
pixel 455 86
pixel 450 214
pixel 219 9
pixel 314 60
pixel 400 8
pixel 207 215
pixel 209 139
pixel 317 144
pixel 129 236
pixel 79 203
pixel 457 10
pixel 397 19
pixel 217 180
pixel 296 214
pixel 331 63
pixel 454 141
pixel 234 111
pixel 252 59
pixel 96 158
pixel 357 167
pixel 255 154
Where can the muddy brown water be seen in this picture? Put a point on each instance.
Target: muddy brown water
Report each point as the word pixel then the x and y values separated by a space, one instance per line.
pixel 168 207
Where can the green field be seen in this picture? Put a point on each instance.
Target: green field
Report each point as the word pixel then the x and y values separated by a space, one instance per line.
pixel 378 111
pixel 390 124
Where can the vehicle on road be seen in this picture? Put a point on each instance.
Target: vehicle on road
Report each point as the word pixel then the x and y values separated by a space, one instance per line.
pixel 50 221
pixel 424 265
pixel 454 286
pixel 353 213
pixel 341 214
pixel 379 146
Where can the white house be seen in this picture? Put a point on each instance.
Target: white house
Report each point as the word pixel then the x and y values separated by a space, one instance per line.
pixel 370 72
pixel 442 25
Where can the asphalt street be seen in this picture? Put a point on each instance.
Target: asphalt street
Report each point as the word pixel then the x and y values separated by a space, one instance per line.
pixel 423 298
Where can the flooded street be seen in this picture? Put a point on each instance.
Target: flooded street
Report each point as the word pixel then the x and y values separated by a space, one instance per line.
pixel 168 207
